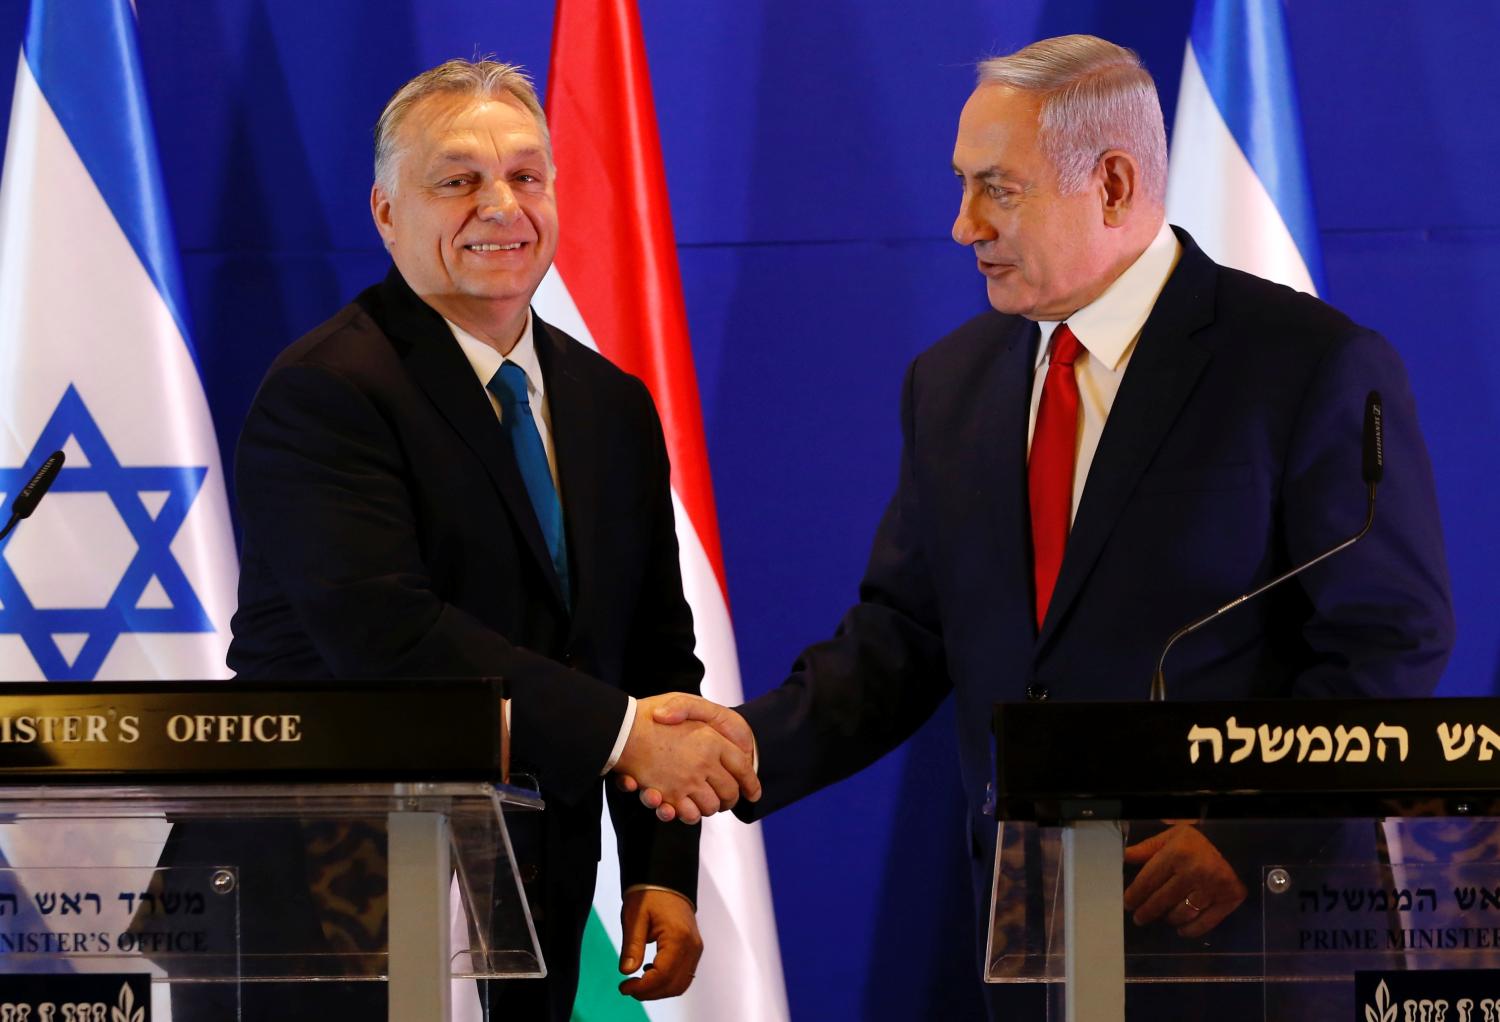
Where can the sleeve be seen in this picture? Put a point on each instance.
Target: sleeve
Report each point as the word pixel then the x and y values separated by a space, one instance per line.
pixel 659 658
pixel 324 500
pixel 1382 616
pixel 853 698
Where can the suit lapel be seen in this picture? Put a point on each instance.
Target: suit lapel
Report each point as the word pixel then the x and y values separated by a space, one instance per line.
pixel 1003 412
pixel 575 415
pixel 1162 372
pixel 436 362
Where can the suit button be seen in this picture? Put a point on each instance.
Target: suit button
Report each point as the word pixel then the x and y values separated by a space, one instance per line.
pixel 570 659
pixel 529 873
pixel 1036 693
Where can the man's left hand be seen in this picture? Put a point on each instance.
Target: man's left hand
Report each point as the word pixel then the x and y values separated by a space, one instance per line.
pixel 665 919
pixel 1184 879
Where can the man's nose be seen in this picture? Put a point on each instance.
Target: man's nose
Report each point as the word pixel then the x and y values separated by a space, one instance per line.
pixel 969 226
pixel 497 202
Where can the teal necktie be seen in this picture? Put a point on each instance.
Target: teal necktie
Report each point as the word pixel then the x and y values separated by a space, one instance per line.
pixel 509 386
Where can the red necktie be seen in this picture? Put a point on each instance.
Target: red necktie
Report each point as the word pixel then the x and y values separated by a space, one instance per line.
pixel 1049 473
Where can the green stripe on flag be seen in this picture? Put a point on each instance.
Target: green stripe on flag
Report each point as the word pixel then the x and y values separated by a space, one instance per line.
pixel 599 998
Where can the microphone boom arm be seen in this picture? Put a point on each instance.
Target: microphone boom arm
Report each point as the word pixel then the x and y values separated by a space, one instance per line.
pixel 1159 680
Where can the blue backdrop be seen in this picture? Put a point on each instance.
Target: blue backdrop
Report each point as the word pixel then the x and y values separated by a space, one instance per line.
pixel 807 149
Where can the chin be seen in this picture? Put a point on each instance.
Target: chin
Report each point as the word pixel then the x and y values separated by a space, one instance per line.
pixel 1008 302
pixel 502 289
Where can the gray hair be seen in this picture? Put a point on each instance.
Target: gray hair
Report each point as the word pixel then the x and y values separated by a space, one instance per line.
pixel 479 78
pixel 1096 96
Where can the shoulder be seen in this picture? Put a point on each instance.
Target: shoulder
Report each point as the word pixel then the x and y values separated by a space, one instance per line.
pixel 1291 340
pixel 350 343
pixel 347 368
pixel 561 352
pixel 970 359
pixel 1251 318
pixel 1274 311
pixel 974 344
pixel 977 340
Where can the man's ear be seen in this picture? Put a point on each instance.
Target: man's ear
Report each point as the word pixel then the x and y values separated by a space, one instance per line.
pixel 1119 177
pixel 380 212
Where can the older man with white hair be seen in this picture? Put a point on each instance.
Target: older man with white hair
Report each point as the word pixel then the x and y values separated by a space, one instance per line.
pixel 1132 437
pixel 436 483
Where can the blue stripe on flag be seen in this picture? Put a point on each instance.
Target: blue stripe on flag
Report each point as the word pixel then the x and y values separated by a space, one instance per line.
pixel 84 58
pixel 1241 48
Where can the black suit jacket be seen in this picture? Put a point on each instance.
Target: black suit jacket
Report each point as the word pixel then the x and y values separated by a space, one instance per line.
pixel 1232 451
pixel 388 533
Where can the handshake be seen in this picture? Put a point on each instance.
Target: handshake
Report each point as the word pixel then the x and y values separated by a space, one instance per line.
pixel 688 757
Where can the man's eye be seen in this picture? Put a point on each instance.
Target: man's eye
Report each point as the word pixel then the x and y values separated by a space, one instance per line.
pixel 453 182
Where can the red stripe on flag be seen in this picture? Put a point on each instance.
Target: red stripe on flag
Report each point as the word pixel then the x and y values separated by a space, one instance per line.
pixel 617 253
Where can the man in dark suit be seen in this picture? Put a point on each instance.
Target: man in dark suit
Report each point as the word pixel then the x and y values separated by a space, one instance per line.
pixel 1134 436
pixel 435 483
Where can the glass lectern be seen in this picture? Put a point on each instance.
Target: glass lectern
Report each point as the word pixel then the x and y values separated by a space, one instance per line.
pixel 182 850
pixel 1366 834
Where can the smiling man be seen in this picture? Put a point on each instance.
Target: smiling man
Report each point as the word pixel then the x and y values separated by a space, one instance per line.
pixel 435 483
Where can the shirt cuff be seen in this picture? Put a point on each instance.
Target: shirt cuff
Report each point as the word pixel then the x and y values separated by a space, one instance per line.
pixel 625 726
pixel 659 887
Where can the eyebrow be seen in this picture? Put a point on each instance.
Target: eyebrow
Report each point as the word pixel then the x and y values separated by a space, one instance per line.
pixel 987 174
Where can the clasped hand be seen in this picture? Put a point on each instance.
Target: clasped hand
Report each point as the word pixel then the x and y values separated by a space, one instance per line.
pixel 688 757
pixel 1183 879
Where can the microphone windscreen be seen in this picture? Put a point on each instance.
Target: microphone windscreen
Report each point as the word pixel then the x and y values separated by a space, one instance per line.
pixel 32 493
pixel 1374 463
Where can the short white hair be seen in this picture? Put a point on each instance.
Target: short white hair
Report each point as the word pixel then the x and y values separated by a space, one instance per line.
pixel 482 79
pixel 1096 96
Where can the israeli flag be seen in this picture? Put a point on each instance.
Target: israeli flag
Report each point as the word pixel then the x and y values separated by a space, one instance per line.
pixel 1238 174
pixel 127 570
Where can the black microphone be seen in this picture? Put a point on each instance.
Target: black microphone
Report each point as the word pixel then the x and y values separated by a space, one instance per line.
pixel 1373 468
pixel 1374 463
pixel 32 493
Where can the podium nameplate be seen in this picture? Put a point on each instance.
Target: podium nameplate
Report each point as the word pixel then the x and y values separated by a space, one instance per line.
pixel 268 732
pixel 1283 758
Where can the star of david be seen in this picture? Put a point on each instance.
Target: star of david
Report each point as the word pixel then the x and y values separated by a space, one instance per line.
pixel 153 558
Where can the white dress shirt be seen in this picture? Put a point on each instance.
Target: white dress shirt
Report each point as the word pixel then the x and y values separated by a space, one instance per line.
pixel 1108 329
pixel 486 361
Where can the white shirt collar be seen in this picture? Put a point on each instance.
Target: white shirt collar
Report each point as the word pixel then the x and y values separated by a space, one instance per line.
pixel 486 361
pixel 1107 325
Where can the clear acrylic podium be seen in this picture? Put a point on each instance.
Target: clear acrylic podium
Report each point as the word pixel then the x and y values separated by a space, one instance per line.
pixel 1367 834
pixel 214 838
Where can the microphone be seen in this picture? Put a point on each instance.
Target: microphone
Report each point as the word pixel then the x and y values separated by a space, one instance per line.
pixel 1372 469
pixel 32 493
pixel 1374 461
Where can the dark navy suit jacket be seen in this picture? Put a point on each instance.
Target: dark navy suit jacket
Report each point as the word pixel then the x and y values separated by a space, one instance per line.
pixel 1232 452
pixel 388 533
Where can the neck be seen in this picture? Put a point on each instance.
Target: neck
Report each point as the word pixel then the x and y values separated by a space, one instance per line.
pixel 497 324
pixel 1133 243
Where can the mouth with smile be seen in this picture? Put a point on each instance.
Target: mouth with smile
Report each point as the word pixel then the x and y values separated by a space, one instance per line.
pixel 484 247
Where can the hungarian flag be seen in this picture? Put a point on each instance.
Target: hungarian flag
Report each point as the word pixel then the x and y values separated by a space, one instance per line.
pixel 629 307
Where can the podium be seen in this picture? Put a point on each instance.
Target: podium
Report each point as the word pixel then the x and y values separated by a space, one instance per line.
pixel 1366 833
pixel 179 848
